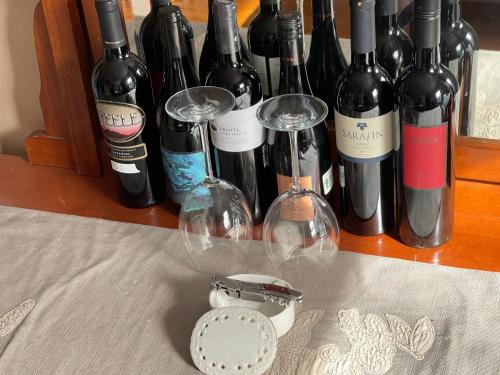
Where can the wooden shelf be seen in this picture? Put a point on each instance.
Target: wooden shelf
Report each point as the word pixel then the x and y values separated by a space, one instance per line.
pixel 475 245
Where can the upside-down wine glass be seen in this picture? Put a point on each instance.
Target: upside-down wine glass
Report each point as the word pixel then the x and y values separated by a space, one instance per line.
pixel 214 218
pixel 301 231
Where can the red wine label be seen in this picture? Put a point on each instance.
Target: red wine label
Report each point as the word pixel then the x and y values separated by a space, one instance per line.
pixel 298 209
pixel 238 130
pixel 269 73
pixel 424 156
pixel 120 122
pixel 365 140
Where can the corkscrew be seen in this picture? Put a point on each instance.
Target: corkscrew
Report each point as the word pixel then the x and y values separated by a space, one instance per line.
pixel 257 292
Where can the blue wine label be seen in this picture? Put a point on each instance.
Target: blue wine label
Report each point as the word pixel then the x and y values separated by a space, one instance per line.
pixel 184 172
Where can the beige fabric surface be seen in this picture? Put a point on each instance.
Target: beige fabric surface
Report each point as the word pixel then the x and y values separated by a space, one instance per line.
pixel 114 298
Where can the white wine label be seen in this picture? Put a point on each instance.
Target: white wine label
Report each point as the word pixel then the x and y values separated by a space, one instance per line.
pixel 124 168
pixel 328 180
pixel 120 122
pixel 365 140
pixel 269 73
pixel 341 176
pixel 238 131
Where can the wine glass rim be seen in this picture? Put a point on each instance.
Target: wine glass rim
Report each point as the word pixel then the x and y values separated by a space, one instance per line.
pixel 313 98
pixel 210 116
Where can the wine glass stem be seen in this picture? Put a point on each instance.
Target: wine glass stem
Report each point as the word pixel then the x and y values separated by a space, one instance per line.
pixel 295 160
pixel 206 150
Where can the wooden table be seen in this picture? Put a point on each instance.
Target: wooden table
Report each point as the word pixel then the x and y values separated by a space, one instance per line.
pixel 475 244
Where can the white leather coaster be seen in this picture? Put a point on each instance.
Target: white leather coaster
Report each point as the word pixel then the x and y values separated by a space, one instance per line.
pixel 281 316
pixel 233 340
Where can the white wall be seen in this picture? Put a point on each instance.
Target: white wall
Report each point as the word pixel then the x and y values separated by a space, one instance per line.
pixel 19 76
pixel 140 7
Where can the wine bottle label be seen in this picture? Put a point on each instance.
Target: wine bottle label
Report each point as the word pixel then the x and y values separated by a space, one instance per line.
pixel 129 168
pixel 120 122
pixel 425 156
pixel 365 140
pixel 328 180
pixel 127 153
pixel 299 209
pixel 268 69
pixel 184 171
pixel 238 130
pixel 341 176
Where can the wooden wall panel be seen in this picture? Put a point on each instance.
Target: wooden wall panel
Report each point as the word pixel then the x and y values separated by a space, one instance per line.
pixel 65 94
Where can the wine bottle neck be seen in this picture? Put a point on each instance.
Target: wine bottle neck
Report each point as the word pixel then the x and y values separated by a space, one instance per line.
pixel 363 40
pixel 270 7
pixel 428 58
pixel 174 45
pixel 110 23
pixel 293 75
pixel 210 22
pixel 427 31
pixel 361 60
pixel 322 11
pixel 451 13
pixel 427 34
pixel 227 37
pixel 157 4
pixel 386 24
pixel 292 52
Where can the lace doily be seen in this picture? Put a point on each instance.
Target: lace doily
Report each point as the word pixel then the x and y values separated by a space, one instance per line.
pixel 14 317
pixel 373 345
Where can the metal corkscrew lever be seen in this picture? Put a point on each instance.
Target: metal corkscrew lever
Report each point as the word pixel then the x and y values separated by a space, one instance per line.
pixel 257 292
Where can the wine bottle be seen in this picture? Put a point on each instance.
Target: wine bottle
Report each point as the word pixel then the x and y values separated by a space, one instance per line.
pixel 364 131
pixel 181 144
pixel 149 43
pixel 208 57
pixel 394 46
pixel 459 52
pixel 326 61
pixel 264 47
pixel 238 139
pixel 315 166
pixel 425 145
pixel 125 105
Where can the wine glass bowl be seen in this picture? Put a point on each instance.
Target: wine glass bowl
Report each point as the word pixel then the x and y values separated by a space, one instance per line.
pixel 214 222
pixel 292 112
pixel 200 104
pixel 301 234
pixel 301 231
pixel 214 219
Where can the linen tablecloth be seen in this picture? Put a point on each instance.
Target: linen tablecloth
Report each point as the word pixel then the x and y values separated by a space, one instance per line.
pixel 89 296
